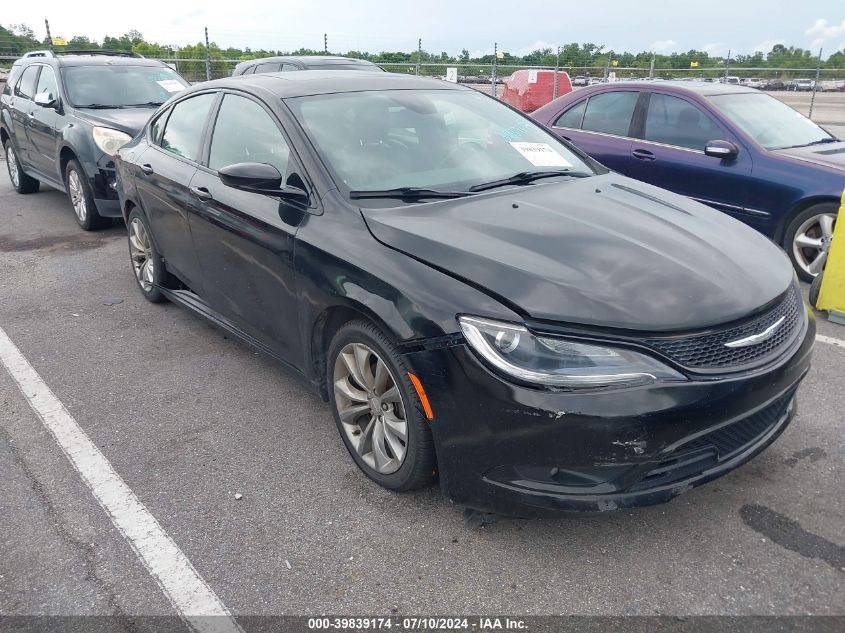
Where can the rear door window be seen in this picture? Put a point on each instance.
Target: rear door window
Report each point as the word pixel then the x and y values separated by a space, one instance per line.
pixel 183 132
pixel 268 67
pixel 610 112
pixel 26 86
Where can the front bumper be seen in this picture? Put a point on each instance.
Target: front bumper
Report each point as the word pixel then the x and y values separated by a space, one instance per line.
pixel 520 451
pixel 102 179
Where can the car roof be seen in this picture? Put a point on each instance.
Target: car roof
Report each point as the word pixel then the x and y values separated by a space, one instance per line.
pixel 314 82
pixel 312 59
pixel 704 88
pixel 91 60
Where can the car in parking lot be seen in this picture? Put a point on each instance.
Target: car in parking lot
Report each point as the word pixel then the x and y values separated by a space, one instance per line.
pixel 752 82
pixel 302 62
pixel 801 85
pixel 476 299
pixel 773 84
pixel 62 118
pixel 832 85
pixel 736 149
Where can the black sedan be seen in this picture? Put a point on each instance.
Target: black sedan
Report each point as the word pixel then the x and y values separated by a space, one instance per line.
pixel 476 299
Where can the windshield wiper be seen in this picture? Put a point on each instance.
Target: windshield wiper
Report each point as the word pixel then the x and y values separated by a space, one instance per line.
pixel 99 106
pixel 525 177
pixel 820 141
pixel 409 193
pixel 148 104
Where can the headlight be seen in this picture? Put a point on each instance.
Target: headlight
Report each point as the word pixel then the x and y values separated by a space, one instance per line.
pixel 110 140
pixel 558 362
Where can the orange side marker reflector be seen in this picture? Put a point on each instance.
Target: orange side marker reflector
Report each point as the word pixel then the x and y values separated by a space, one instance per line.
pixel 429 414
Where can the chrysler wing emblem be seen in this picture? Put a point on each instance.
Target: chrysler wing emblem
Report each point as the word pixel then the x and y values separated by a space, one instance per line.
pixel 759 337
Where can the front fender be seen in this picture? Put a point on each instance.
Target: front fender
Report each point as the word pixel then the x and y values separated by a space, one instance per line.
pixel 6 122
pixel 339 264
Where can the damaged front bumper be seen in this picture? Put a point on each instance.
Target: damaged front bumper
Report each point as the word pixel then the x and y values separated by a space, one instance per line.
pixel 521 451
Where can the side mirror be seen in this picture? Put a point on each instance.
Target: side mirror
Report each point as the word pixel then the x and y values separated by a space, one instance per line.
pixel 721 149
pixel 260 178
pixel 46 100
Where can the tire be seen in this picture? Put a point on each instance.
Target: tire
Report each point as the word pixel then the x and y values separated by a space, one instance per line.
pixel 815 288
pixel 20 181
pixel 81 198
pixel 408 470
pixel 147 264
pixel 812 228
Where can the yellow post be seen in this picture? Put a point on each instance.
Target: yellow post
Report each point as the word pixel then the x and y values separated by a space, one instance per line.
pixel 832 291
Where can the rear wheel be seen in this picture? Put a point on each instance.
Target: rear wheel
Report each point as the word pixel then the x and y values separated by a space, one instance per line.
pixel 20 181
pixel 808 237
pixel 376 409
pixel 147 264
pixel 81 198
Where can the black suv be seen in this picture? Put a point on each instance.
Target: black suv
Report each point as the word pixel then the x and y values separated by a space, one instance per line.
pixel 63 117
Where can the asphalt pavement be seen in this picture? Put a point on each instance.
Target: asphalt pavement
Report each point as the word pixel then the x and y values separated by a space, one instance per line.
pixel 188 418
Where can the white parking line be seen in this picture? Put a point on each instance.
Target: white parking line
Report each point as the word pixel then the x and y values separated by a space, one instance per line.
pixel 830 340
pixel 195 602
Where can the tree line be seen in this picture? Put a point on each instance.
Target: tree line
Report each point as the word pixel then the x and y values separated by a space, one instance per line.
pixel 18 39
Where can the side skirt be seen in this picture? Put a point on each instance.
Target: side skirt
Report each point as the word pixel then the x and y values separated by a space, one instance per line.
pixel 195 304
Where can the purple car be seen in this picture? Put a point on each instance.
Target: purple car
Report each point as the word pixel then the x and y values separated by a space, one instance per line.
pixel 734 148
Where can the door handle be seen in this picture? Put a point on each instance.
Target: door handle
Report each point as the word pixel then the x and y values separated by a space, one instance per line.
pixel 643 154
pixel 32 114
pixel 201 193
pixel 147 169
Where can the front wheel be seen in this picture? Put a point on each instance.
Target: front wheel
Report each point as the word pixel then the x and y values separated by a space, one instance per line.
pixel 815 290
pixel 376 409
pixel 81 198
pixel 808 237
pixel 20 181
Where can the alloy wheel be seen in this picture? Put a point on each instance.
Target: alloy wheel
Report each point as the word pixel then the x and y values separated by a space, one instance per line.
pixel 140 250
pixel 370 408
pixel 12 162
pixel 812 242
pixel 77 196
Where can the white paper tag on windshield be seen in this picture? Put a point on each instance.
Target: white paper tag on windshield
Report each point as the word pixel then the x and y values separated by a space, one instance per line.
pixel 541 154
pixel 171 85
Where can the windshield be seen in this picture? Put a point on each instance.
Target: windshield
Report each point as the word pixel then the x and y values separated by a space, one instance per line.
pixel 433 139
pixel 121 86
pixel 770 122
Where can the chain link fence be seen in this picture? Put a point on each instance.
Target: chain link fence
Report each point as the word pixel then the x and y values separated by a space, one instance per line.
pixel 481 75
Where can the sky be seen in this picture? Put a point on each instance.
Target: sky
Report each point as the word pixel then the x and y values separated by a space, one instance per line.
pixel 663 26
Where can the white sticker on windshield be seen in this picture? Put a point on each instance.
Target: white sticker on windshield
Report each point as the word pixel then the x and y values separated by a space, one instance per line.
pixel 171 85
pixel 541 154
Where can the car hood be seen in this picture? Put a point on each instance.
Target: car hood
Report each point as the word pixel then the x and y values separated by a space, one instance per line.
pixel 827 154
pixel 129 120
pixel 606 250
